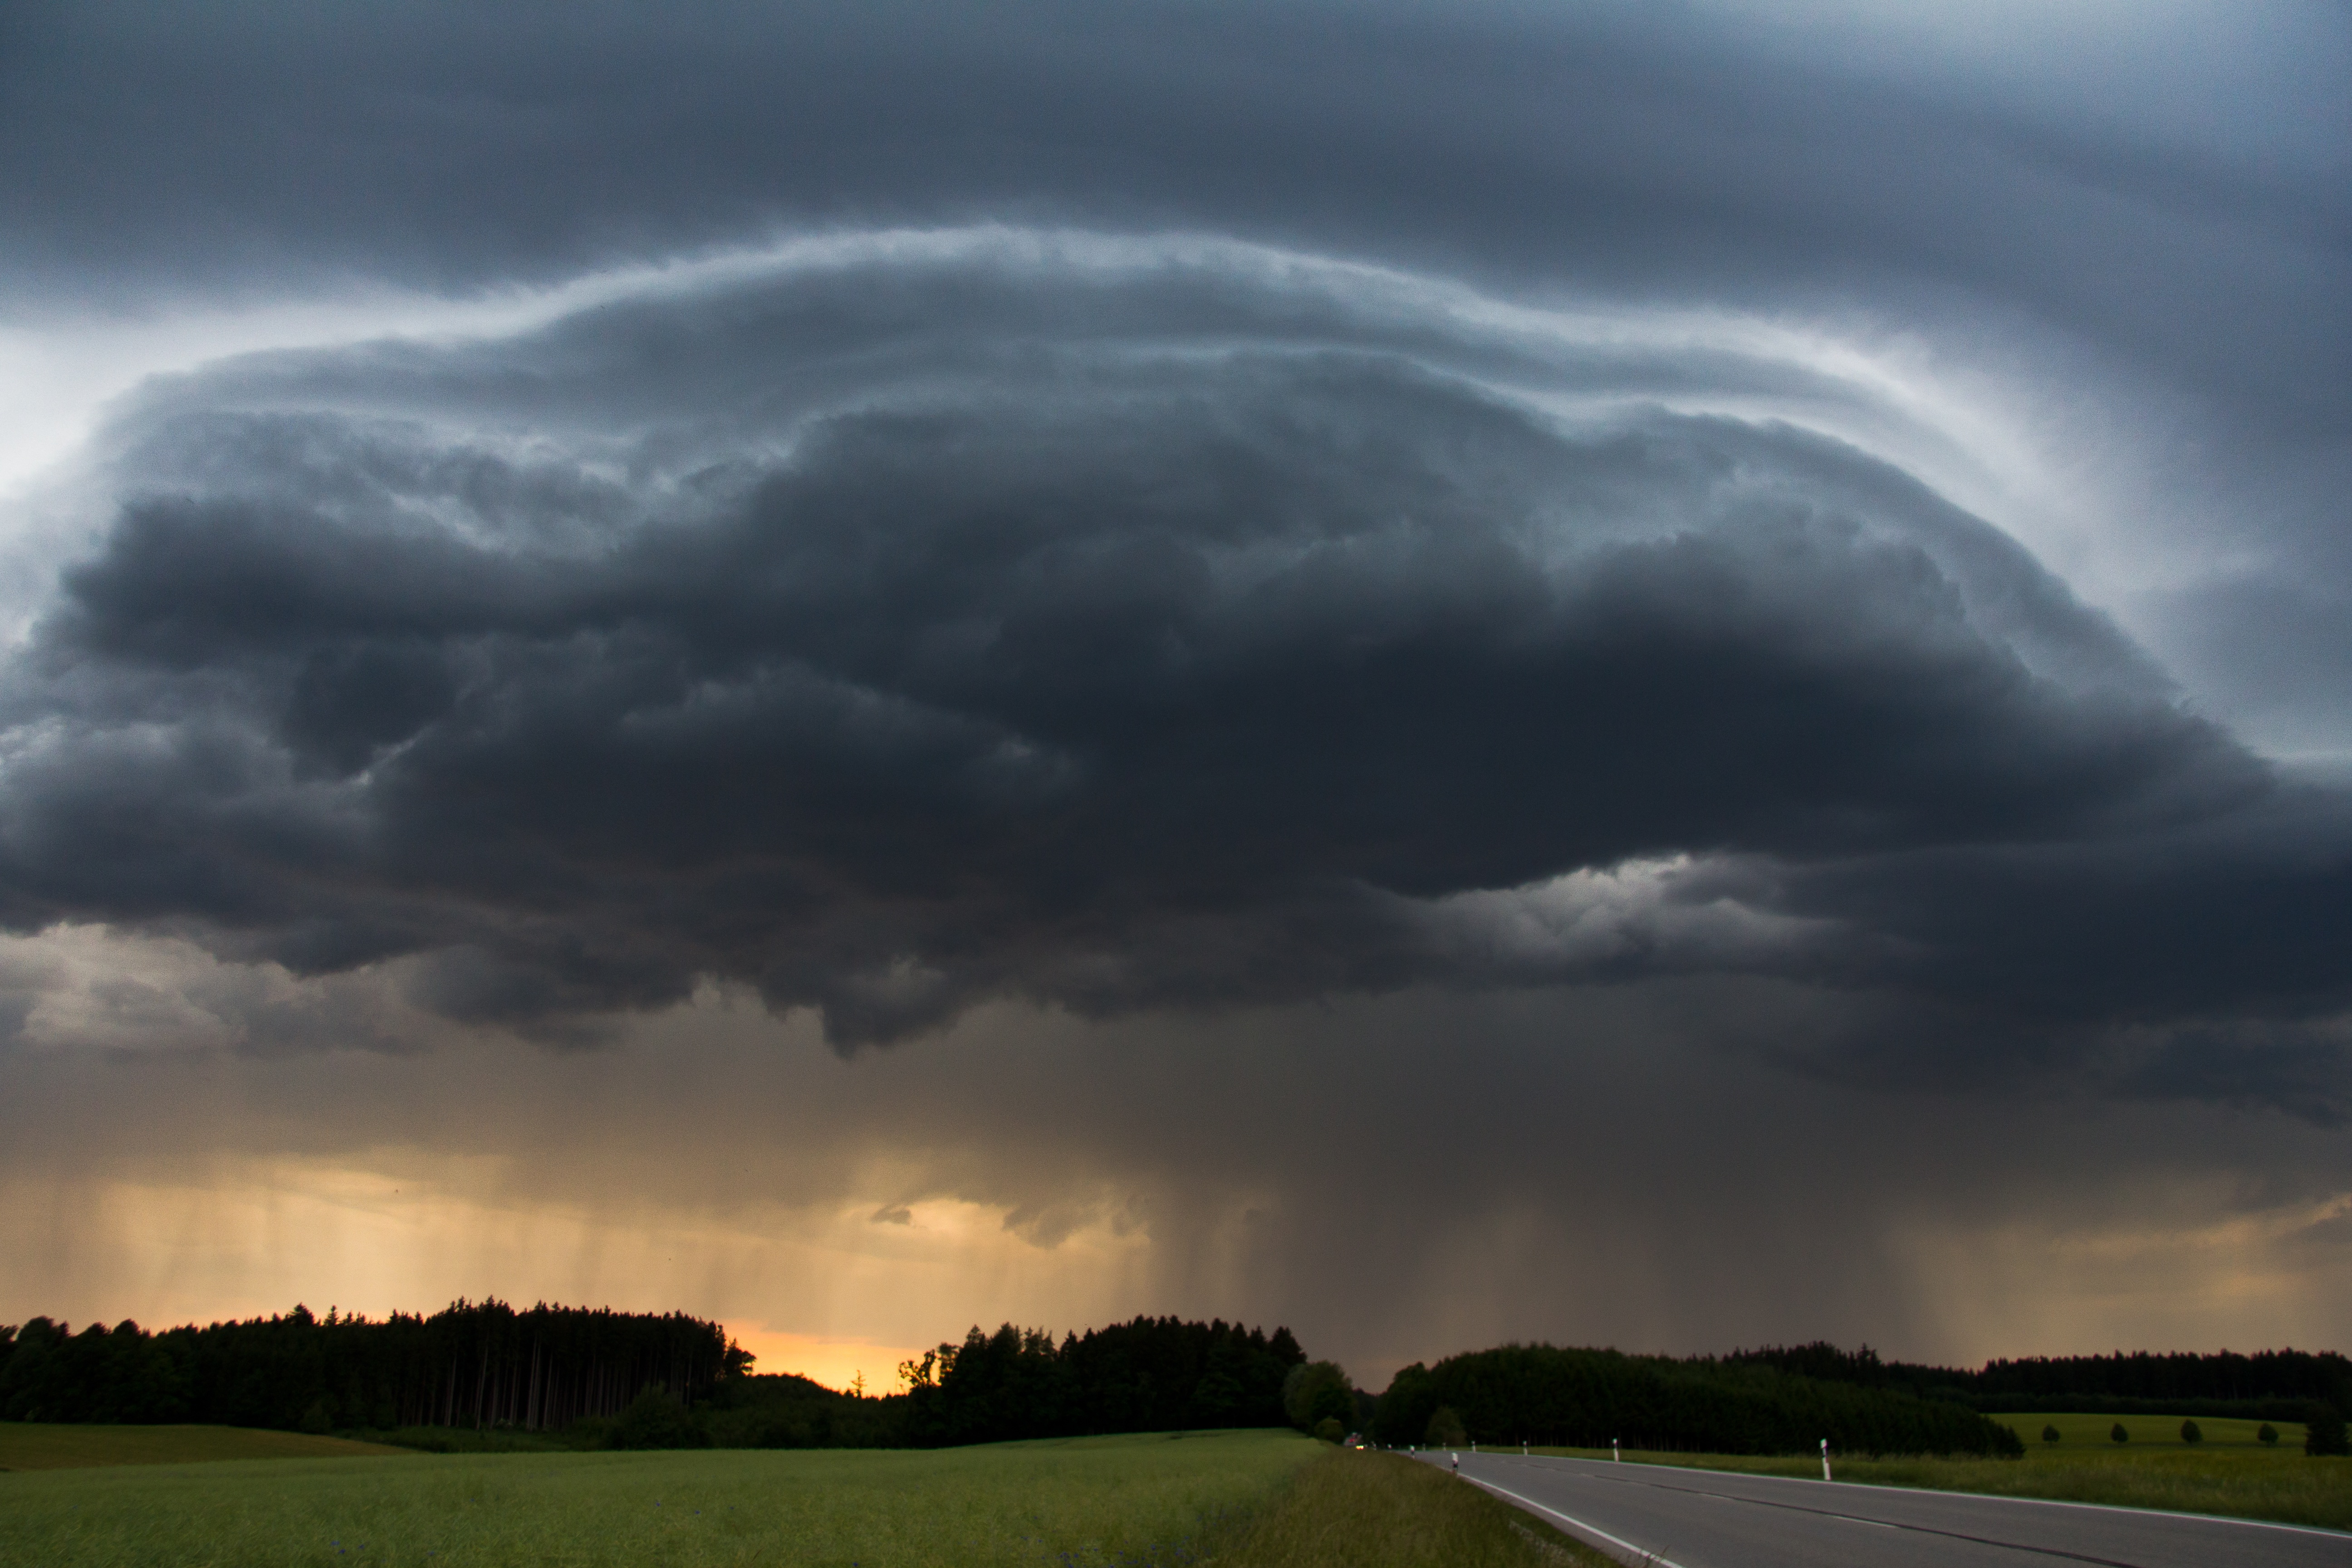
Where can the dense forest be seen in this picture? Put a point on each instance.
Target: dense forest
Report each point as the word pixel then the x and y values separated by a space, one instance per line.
pixel 471 1364
pixel 597 1378
pixel 1588 1398
pixel 2274 1385
pixel 637 1379
pixel 1151 1374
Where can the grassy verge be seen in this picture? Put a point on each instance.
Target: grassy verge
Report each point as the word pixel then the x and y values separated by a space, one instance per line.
pixel 2288 1487
pixel 1106 1502
pixel 1353 1509
pixel 2077 1432
pixel 39 1446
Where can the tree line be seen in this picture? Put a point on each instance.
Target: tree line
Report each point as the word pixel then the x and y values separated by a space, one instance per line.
pixel 473 1363
pixel 2269 1385
pixel 637 1380
pixel 1591 1398
pixel 1148 1374
pixel 599 1378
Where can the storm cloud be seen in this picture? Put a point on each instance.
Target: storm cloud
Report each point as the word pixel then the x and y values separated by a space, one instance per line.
pixel 916 624
pixel 1643 544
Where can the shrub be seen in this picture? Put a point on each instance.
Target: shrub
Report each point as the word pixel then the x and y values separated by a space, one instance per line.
pixel 2325 1434
pixel 2189 1433
pixel 2267 1434
pixel 2050 1434
pixel 1445 1429
pixel 2118 1434
pixel 1329 1429
pixel 1316 1390
pixel 655 1419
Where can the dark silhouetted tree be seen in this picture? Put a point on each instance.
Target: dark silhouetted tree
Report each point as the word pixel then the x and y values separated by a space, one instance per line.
pixel 2115 1434
pixel 2049 1433
pixel 1316 1391
pixel 2191 1433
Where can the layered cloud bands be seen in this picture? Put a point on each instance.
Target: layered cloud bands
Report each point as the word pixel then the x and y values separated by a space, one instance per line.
pixel 899 623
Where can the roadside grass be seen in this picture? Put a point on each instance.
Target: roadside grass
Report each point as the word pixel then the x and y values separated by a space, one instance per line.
pixel 1362 1510
pixel 40 1446
pixel 1152 1501
pixel 2289 1488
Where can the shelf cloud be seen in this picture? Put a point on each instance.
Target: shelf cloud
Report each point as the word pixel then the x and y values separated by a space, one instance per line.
pixel 917 624
pixel 1807 542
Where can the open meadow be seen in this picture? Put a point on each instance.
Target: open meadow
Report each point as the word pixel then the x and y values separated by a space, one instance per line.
pixel 1244 1499
pixel 2241 1479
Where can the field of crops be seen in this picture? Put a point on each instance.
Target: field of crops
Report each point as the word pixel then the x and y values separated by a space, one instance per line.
pixel 40 1446
pixel 1081 1504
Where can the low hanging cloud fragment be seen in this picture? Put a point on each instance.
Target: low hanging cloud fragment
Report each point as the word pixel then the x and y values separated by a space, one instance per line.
pixel 1116 629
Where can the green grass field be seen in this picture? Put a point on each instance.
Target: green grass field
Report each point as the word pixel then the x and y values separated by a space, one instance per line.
pixel 1081 1504
pixel 2076 1432
pixel 31 1446
pixel 2241 1480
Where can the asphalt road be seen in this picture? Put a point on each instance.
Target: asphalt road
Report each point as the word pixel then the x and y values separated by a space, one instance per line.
pixel 1706 1519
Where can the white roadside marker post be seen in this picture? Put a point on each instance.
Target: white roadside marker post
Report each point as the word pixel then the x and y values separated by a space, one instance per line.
pixel 1825 1459
pixel 1613 1454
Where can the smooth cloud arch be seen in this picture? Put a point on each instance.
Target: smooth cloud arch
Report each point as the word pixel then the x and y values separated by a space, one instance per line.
pixel 909 620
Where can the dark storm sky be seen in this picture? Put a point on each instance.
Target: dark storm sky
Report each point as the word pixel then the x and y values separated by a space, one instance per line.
pixel 1620 550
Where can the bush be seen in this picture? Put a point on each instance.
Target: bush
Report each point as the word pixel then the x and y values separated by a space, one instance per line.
pixel 1316 1391
pixel 1445 1429
pixel 2115 1434
pixel 2189 1433
pixel 2325 1434
pixel 2268 1434
pixel 1329 1429
pixel 589 1432
pixel 655 1419
pixel 469 1441
pixel 2050 1434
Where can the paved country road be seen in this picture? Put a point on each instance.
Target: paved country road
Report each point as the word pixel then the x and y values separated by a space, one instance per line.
pixel 1706 1519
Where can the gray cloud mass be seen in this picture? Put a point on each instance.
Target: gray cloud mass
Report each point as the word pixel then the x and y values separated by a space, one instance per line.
pixel 1606 546
pixel 895 634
